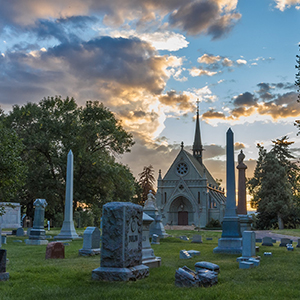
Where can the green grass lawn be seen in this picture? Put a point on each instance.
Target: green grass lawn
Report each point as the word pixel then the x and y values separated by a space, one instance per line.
pixel 32 277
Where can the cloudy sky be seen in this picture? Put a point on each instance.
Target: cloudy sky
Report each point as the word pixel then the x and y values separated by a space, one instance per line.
pixel 149 61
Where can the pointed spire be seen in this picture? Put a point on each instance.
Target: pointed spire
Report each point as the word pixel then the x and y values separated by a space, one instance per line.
pixel 197 146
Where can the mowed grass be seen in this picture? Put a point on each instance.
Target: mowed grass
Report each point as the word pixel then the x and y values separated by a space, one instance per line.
pixel 32 277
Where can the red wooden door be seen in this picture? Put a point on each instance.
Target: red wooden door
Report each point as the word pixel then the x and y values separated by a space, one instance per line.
pixel 183 218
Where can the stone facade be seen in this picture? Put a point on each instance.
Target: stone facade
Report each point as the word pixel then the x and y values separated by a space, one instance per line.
pixel 188 194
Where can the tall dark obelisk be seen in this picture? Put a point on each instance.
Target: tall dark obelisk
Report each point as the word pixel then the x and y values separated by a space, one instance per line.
pixel 231 240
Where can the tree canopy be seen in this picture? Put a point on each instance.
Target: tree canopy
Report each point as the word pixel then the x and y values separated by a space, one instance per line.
pixel 275 185
pixel 146 181
pixel 49 129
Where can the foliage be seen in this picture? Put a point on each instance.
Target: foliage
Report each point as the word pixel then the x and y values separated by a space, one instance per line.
pixel 297 82
pixel 147 182
pixel 213 224
pixel 275 186
pixel 49 129
pixel 12 168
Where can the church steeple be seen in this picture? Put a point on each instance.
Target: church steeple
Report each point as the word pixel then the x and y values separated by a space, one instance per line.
pixel 197 146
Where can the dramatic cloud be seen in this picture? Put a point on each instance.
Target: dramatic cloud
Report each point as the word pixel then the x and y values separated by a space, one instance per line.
pixel 239 146
pixel 215 17
pixel 182 101
pixel 245 99
pixel 201 72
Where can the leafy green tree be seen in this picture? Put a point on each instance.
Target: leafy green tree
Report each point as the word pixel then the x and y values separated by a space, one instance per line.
pixel 12 168
pixel 146 181
pixel 297 82
pixel 49 129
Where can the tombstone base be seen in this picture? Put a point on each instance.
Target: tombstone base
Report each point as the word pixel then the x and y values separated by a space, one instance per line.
pixel 120 274
pixel 36 242
pixel 89 252
pixel 152 263
pixel 68 232
pixel 4 276
pixel 229 246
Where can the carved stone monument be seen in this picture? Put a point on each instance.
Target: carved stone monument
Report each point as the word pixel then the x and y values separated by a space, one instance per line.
pixel 68 229
pixel 149 259
pixel 121 251
pixel 151 210
pixel 37 234
pixel 245 220
pixel 231 239
pixel 12 215
pixel 91 242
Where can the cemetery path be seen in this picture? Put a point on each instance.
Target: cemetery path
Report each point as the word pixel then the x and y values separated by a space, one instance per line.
pixel 263 233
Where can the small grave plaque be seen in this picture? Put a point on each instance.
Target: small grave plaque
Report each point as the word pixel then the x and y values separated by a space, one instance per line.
pixel 184 255
pixel 55 250
pixel 197 238
pixel 284 242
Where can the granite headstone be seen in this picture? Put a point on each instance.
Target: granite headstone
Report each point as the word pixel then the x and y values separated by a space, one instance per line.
pixel 91 242
pixel 121 251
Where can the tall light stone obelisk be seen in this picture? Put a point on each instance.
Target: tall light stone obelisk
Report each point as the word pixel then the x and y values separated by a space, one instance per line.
pixel 231 240
pixel 68 229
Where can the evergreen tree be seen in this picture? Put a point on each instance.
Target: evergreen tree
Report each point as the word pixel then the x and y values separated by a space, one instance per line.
pixel 147 182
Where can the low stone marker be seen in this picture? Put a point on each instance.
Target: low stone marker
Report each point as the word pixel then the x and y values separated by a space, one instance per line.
pixel 155 239
pixel 298 245
pixel 209 238
pixel 284 242
pixel 91 242
pixel 3 274
pixel 184 238
pixel 267 253
pixel 193 253
pixel 3 239
pixel 289 247
pixel 205 265
pixel 55 250
pixel 197 238
pixel 28 231
pixel 121 251
pixel 183 254
pixel 185 277
pixel 267 241
pixel 20 232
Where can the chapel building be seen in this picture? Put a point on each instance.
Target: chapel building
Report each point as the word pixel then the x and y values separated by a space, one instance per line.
pixel 188 194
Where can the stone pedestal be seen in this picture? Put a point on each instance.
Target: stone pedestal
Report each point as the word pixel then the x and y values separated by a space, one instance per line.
pixel 68 229
pixel 121 251
pixel 245 223
pixel 148 257
pixel 37 234
pixel 231 240
pixel 151 210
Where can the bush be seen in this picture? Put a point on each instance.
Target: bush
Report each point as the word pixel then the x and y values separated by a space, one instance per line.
pixel 213 224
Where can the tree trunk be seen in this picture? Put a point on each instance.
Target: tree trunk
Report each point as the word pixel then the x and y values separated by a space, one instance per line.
pixel 280 222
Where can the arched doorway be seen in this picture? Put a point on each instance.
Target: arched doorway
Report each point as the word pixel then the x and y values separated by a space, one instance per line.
pixel 181 211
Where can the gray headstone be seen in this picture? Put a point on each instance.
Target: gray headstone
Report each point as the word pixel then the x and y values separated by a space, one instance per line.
pixel 3 239
pixel 298 245
pixel 185 277
pixel 207 278
pixel 91 241
pixel 284 242
pixel 121 251
pixel 37 233
pixel 197 238
pixel 20 232
pixel 155 239
pixel 267 241
pixel 248 249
